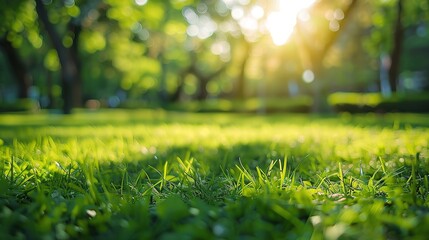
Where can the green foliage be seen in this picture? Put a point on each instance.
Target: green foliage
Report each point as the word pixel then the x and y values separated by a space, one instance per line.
pixel 51 61
pixel 301 104
pixel 155 174
pixel 93 41
pixel 21 105
pixel 354 101
pixel 384 16
pixel 375 102
pixel 18 21
pixel 406 103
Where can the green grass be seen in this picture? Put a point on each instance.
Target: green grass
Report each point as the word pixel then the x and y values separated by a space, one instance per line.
pixel 166 175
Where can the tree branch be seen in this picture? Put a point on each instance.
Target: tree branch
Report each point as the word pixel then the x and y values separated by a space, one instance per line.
pixel 334 35
pixel 314 56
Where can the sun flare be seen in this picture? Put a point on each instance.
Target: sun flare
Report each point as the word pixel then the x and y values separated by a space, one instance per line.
pixel 281 22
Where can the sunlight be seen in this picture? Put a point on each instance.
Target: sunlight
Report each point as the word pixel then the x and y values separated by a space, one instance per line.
pixel 140 2
pixel 281 23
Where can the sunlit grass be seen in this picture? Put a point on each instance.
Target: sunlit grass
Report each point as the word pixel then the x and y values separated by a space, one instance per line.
pixel 156 174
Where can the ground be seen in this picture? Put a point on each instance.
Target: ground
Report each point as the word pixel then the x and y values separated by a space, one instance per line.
pixel 155 174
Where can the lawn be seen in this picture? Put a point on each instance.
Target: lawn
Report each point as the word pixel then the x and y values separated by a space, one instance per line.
pixel 152 174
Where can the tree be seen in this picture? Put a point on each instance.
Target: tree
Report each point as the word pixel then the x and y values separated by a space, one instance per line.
pixel 208 48
pixel 197 68
pixel 312 55
pixel 152 39
pixel 69 68
pixel 241 77
pixel 391 20
pixel 396 52
pixel 18 67
pixel 17 25
pixel 67 48
pixel 245 21
pixel 311 52
pixel 169 35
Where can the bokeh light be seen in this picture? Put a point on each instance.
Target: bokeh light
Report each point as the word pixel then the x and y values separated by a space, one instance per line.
pixel 308 76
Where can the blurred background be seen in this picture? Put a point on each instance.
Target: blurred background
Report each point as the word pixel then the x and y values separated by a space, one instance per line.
pixel 215 55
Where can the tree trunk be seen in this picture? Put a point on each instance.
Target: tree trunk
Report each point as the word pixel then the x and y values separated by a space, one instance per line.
pixel 241 80
pixel 77 89
pixel 190 69
pixel 69 69
pixel 163 93
pixel 204 80
pixel 396 53
pixel 50 84
pixel 178 92
pixel 181 83
pixel 19 70
pixel 202 92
